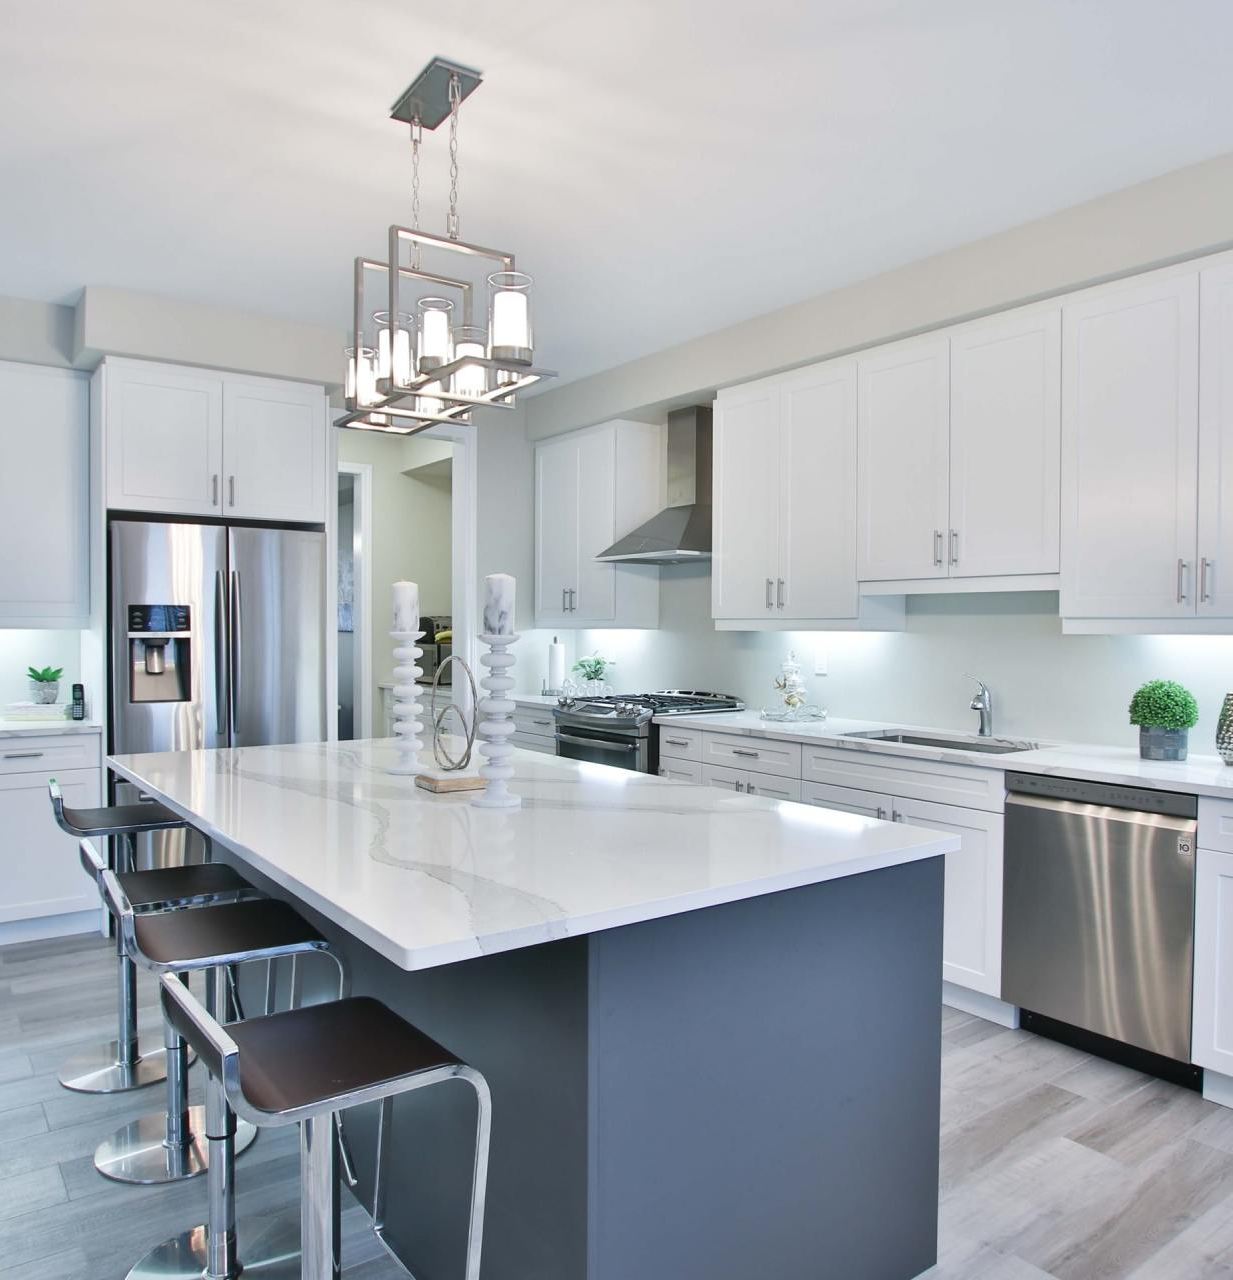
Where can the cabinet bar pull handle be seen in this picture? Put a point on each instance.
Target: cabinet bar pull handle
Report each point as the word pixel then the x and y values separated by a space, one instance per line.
pixel 770 586
pixel 740 786
pixel 738 751
pixel 954 546
pixel 881 814
pixel 1204 565
pixel 751 789
pixel 779 593
pixel 214 490
pixel 677 742
pixel 231 491
pixel 547 722
pixel 22 755
pixel 1182 566
pixel 896 816
pixel 937 546
pixel 564 600
pixel 573 599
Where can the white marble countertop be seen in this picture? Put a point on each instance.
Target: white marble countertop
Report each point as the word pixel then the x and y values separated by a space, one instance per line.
pixel 429 880
pixel 44 728
pixel 1205 775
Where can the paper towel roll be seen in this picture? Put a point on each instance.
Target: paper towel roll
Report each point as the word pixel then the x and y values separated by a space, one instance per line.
pixel 556 664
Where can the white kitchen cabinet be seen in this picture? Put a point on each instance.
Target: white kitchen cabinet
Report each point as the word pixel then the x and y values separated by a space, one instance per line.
pixel 274 450
pixel 1005 445
pixel 591 487
pixel 747 782
pixel 903 471
pixel 1130 367
pixel 761 755
pixel 164 431
pixel 680 770
pixel 1212 1030
pixel 1214 593
pixel 40 874
pixel 784 538
pixel 868 804
pixel 972 931
pixel 189 442
pixel 44 497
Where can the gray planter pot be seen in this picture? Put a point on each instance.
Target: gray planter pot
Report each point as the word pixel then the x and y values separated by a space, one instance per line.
pixel 1163 744
pixel 42 691
pixel 1224 730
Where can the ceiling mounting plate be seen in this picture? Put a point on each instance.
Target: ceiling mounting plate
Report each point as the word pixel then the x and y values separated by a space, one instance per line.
pixel 428 95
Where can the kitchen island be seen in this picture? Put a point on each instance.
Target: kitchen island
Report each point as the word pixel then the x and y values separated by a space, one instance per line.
pixel 710 1022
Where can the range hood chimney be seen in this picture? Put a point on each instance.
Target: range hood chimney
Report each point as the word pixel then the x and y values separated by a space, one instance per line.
pixel 682 530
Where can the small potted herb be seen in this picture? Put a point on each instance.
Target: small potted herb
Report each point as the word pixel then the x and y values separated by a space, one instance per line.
pixel 593 668
pixel 44 683
pixel 1164 712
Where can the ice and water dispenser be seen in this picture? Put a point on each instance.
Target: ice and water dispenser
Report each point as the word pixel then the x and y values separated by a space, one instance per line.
pixel 160 653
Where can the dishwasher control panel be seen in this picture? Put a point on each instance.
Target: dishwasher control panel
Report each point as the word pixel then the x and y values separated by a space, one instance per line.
pixel 1080 791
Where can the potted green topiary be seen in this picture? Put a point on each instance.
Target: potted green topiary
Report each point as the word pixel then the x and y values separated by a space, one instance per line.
pixel 1164 712
pixel 44 683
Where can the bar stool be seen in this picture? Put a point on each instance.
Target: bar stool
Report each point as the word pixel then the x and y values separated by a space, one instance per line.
pixel 303 1067
pixel 124 1063
pixel 164 1146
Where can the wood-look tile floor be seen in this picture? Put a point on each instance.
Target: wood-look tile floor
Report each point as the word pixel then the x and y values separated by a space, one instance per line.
pixel 1054 1163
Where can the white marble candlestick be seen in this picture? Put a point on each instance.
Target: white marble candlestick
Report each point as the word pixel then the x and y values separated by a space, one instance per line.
pixel 496 724
pixel 407 710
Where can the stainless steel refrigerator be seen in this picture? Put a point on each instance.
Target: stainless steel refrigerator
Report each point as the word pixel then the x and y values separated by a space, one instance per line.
pixel 217 639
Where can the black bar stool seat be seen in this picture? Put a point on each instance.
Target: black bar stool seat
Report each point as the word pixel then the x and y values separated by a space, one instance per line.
pixel 128 819
pixel 222 935
pixel 312 1056
pixel 173 888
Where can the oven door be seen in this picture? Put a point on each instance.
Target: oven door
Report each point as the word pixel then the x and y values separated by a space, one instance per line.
pixel 622 751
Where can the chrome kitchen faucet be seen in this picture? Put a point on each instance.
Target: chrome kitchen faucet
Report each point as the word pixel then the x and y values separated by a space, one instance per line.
pixel 983 702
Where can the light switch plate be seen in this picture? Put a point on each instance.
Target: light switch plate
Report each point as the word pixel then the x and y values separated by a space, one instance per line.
pixel 819 663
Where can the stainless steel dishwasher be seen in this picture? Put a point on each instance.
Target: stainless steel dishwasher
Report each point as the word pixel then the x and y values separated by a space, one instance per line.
pixel 1098 909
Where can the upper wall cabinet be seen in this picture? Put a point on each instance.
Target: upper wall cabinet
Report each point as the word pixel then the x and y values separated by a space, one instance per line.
pixel 1214 597
pixel 959 457
pixel 591 487
pixel 1130 449
pixel 784 553
pixel 44 497
pixel 190 442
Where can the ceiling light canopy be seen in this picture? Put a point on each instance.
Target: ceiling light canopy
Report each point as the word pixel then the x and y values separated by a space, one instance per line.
pixel 441 326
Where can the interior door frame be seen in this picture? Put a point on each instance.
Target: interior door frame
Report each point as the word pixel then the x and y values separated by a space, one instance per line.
pixel 361 612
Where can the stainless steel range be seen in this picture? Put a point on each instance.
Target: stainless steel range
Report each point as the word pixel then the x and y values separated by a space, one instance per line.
pixel 618 729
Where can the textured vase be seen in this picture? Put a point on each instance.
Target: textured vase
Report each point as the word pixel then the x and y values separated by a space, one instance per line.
pixel 1224 730
pixel 1162 744
pixel 44 691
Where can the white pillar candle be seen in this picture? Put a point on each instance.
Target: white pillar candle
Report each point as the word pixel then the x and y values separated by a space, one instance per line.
pixel 406 606
pixel 498 605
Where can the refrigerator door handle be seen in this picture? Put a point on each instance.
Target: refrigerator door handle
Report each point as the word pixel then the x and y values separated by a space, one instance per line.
pixel 220 649
pixel 236 654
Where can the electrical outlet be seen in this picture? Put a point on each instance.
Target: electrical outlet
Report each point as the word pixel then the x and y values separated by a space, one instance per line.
pixel 819 663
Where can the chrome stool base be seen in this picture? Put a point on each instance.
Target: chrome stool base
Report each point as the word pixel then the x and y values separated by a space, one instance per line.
pixel 269 1249
pixel 138 1153
pixel 99 1070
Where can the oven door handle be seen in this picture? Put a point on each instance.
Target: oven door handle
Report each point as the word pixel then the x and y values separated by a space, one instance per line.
pixel 598 743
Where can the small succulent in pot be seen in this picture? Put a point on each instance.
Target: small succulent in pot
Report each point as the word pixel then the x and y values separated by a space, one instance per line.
pixel 44 683
pixel 1165 712
pixel 593 668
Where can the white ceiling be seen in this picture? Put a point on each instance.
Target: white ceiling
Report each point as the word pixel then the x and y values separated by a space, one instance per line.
pixel 663 167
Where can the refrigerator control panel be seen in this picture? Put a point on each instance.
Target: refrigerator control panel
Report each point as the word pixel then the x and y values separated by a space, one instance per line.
pixel 164 618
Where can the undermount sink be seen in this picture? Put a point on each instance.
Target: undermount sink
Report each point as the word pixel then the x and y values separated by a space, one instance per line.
pixel 947 742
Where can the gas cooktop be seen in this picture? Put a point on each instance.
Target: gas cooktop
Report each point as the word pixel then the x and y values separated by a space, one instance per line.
pixel 666 702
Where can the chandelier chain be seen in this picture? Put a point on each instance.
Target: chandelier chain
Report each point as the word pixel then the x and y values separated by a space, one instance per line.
pixel 455 102
pixel 417 136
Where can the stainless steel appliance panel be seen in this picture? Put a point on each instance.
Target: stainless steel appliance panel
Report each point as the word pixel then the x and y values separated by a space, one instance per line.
pixel 621 752
pixel 1098 927
pixel 170 564
pixel 276 592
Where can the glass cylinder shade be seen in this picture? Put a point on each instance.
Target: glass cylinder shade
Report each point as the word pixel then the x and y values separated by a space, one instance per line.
pixel 435 341
pixel 394 347
pixel 361 383
pixel 509 317
pixel 471 379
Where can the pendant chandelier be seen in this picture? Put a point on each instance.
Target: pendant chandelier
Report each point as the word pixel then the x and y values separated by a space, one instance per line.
pixel 435 336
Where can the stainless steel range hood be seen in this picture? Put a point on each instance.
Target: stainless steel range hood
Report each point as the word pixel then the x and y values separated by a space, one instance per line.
pixel 682 530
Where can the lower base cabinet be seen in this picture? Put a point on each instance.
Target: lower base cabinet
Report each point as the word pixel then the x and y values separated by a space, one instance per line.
pixel 1212 1032
pixel 972 933
pixel 40 873
pixel 749 783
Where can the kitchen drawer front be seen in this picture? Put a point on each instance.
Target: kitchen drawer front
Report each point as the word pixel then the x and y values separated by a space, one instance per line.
pixel 534 742
pixel 714 775
pixel 47 753
pixel 869 804
pixel 680 744
pixel 680 770
pixel 771 788
pixel 1216 824
pixel 757 755
pixel 910 777
pixel 537 721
